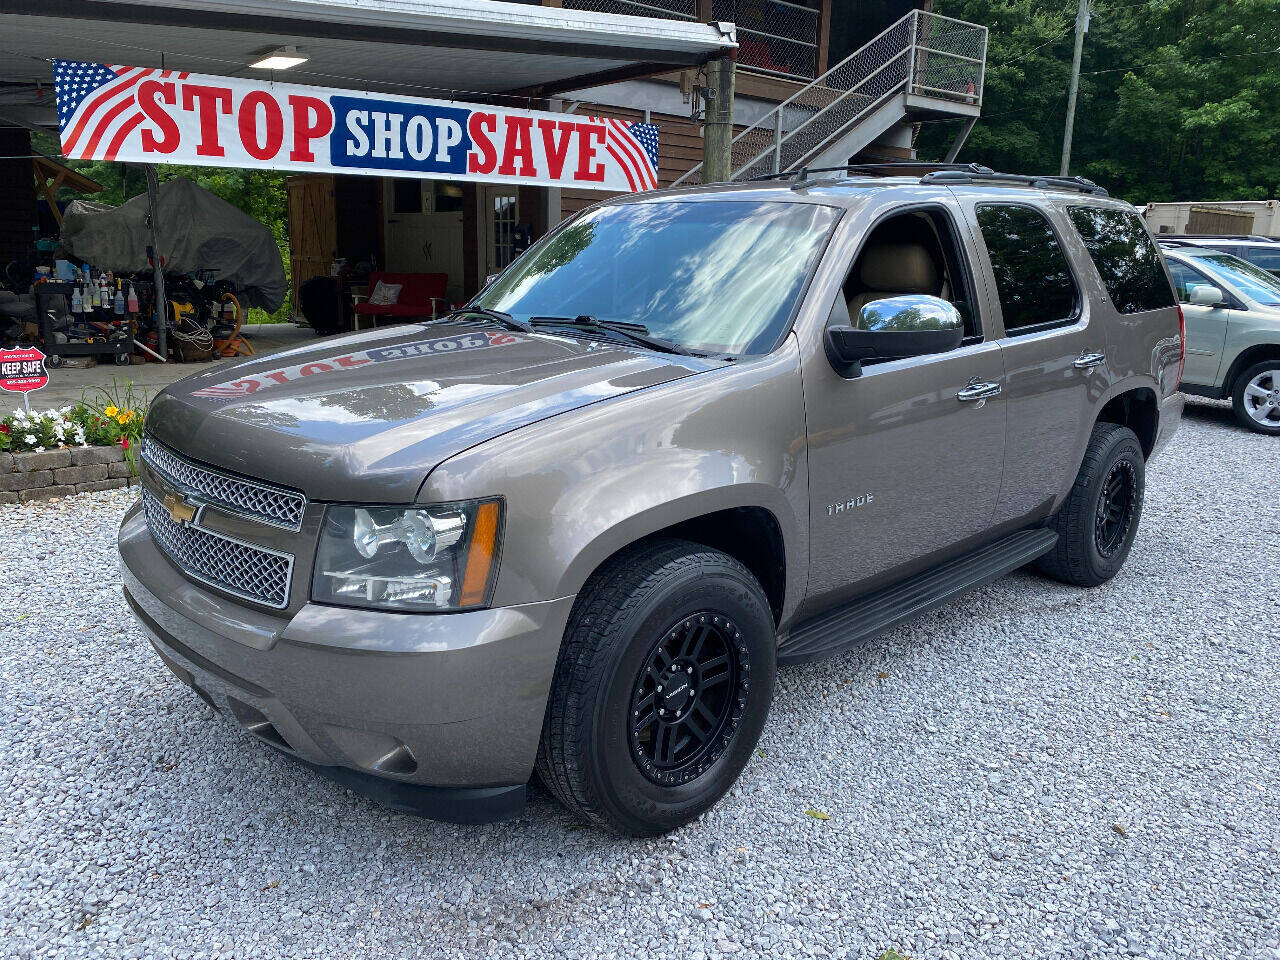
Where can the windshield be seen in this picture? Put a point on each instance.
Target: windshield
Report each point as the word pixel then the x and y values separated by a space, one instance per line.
pixel 1254 282
pixel 715 276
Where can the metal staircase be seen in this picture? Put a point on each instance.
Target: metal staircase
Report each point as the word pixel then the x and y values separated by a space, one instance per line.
pixel 924 64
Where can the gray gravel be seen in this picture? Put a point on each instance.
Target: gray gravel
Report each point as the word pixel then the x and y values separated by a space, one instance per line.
pixel 1035 771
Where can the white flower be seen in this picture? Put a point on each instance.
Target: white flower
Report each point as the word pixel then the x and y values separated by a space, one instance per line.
pixel 31 439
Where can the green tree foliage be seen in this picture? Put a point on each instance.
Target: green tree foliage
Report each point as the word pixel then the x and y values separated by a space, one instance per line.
pixel 259 193
pixel 1179 99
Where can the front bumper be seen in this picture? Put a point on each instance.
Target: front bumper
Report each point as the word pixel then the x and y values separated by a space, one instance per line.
pixel 439 714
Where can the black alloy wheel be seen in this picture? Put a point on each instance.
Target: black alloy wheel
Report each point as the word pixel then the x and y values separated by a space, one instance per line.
pixel 1114 514
pixel 668 613
pixel 688 699
pixel 1098 522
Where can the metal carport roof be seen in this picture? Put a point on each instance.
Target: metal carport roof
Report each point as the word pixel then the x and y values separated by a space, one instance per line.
pixel 465 49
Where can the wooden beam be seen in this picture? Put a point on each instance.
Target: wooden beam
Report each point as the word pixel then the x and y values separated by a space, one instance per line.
pixel 48 196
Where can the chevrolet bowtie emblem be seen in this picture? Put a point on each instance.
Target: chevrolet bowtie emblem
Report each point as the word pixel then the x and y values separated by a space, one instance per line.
pixel 181 511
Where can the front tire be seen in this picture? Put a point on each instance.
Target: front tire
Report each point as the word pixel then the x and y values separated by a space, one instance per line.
pixel 673 615
pixel 1255 397
pixel 1097 524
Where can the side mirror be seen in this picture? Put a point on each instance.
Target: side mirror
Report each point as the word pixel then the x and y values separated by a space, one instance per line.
pixel 1204 295
pixel 907 326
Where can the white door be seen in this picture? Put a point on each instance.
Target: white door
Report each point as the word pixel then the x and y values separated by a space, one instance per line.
pixel 421 236
pixel 499 214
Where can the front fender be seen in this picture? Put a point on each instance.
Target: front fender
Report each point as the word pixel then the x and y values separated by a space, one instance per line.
pixel 580 486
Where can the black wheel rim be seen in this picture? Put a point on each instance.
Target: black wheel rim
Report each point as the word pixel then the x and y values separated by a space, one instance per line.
pixel 1116 505
pixel 688 699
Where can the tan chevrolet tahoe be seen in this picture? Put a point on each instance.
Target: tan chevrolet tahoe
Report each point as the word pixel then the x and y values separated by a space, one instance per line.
pixel 687 437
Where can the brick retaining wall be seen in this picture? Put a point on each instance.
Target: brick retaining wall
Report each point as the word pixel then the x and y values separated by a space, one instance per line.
pixel 46 474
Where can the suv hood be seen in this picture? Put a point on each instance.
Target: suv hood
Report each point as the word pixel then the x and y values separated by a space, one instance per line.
pixel 366 417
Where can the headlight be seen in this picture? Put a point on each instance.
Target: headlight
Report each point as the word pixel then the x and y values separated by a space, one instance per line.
pixel 421 558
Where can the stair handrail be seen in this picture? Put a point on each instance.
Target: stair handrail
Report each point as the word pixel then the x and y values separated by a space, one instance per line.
pixel 772 119
pixel 777 111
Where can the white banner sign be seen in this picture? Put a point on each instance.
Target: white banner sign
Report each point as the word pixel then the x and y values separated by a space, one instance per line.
pixel 137 114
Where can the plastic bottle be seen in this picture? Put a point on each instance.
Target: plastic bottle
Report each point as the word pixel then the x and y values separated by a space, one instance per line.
pixel 133 300
pixel 118 303
pixel 77 305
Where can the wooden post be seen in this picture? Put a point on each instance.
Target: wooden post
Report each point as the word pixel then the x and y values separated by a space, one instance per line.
pixel 717 135
pixel 162 307
pixel 824 37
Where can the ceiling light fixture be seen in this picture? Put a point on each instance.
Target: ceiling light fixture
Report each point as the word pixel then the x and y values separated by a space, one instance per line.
pixel 281 58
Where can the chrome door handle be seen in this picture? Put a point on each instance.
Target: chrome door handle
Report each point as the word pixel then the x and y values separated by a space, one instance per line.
pixel 1087 360
pixel 978 390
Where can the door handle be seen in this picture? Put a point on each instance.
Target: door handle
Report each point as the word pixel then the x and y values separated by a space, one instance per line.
pixel 979 390
pixel 1087 360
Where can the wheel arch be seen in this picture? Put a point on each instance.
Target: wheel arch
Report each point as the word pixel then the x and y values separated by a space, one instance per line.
pixel 749 532
pixel 1138 409
pixel 1246 359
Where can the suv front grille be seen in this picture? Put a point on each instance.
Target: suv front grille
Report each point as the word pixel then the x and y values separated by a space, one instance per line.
pixel 263 502
pixel 252 573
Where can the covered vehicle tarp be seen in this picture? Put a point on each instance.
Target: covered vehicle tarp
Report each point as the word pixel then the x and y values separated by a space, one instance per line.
pixel 199 234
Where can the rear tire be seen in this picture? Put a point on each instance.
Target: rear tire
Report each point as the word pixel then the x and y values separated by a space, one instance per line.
pixel 1097 524
pixel 1255 397
pixel 672 615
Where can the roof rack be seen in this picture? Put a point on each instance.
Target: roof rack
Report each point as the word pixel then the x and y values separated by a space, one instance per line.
pixel 888 168
pixel 1224 236
pixel 941 173
pixel 986 175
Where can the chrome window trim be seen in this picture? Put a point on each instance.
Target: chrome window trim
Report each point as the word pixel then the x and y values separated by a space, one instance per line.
pixel 148 444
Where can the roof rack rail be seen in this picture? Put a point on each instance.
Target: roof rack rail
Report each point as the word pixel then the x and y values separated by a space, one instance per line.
pixel 886 168
pixel 1253 237
pixel 987 175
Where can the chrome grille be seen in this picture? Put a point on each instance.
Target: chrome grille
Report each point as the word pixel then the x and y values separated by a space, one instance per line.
pixel 252 573
pixel 248 498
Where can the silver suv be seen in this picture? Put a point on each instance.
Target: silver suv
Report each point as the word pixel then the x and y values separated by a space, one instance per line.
pixel 1232 311
pixel 686 437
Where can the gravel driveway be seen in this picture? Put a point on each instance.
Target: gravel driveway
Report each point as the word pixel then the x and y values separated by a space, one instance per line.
pixel 1034 771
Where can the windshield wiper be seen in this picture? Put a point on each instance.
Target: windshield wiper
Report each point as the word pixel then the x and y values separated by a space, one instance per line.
pixel 635 332
pixel 497 316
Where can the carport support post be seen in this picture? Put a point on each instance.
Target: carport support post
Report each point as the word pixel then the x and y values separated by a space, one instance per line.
pixel 717 134
pixel 153 190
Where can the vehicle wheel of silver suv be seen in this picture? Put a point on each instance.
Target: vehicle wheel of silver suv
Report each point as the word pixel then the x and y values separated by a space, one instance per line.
pixel 1097 524
pixel 1255 397
pixel 661 690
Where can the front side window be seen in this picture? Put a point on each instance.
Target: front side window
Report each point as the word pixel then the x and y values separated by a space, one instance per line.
pixel 1033 280
pixel 715 276
pixel 1184 278
pixel 1126 258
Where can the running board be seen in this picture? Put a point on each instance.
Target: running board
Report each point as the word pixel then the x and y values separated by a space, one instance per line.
pixel 835 630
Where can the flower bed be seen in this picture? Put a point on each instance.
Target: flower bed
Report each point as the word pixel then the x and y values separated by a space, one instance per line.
pixel 87 446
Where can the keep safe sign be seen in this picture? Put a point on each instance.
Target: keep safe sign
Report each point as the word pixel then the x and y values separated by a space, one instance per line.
pixel 145 115
pixel 22 370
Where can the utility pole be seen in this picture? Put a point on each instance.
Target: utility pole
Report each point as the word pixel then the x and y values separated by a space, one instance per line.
pixel 717 123
pixel 1082 27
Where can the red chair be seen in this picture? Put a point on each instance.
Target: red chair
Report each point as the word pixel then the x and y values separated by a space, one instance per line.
pixel 421 295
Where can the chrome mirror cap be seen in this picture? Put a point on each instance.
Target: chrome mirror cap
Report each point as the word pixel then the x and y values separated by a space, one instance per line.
pixel 909 313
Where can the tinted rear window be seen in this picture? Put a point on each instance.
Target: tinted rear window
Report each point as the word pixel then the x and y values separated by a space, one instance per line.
pixel 1125 256
pixel 1032 277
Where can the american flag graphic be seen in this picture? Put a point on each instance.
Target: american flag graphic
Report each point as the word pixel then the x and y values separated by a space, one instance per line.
pixel 98 106
pixel 635 147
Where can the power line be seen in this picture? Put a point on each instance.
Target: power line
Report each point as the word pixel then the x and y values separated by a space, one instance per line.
pixel 1185 63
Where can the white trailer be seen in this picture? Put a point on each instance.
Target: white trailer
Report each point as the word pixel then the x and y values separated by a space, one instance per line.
pixel 1217 217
